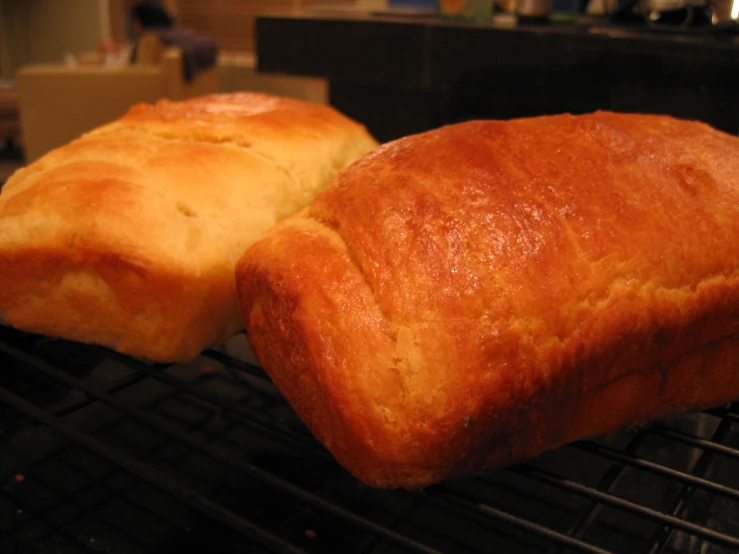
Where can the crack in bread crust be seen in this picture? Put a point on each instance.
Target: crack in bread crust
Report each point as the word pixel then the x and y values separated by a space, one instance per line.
pixel 247 146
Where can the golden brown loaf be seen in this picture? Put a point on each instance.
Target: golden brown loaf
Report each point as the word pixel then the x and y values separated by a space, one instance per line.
pixel 128 237
pixel 469 297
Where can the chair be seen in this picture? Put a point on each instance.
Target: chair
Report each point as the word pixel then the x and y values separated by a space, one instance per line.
pixel 58 103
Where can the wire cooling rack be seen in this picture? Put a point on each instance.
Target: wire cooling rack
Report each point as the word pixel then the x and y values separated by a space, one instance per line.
pixel 101 452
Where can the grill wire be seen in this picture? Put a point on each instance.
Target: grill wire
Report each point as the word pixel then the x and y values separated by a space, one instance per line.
pixel 100 452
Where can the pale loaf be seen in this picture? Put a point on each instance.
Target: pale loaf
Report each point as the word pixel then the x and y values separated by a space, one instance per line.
pixel 469 297
pixel 128 237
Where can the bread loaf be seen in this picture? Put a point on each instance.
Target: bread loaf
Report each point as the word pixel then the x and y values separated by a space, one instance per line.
pixel 129 236
pixel 467 298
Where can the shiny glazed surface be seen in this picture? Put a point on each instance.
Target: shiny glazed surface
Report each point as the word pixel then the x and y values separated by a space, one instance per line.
pixel 469 297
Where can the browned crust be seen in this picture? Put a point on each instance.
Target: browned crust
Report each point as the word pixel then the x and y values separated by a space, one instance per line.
pixel 512 295
pixel 128 237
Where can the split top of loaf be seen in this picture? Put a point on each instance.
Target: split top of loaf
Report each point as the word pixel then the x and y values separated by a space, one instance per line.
pixel 469 297
pixel 128 236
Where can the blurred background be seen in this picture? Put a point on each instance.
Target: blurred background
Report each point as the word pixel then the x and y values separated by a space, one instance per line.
pixel 398 66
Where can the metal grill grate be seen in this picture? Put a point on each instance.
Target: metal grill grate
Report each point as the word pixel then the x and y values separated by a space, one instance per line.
pixel 104 453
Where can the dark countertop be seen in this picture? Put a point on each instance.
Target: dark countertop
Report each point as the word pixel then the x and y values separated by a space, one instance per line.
pixel 404 74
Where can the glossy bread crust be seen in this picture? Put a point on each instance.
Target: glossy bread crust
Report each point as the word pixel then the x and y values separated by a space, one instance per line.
pixel 128 237
pixel 470 297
